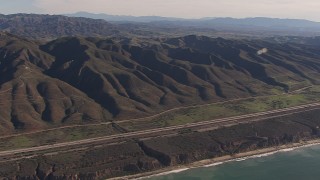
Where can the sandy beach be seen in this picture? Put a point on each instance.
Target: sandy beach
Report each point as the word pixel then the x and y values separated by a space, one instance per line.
pixel 223 159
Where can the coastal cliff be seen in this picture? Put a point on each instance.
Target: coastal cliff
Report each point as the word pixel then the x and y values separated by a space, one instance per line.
pixel 147 155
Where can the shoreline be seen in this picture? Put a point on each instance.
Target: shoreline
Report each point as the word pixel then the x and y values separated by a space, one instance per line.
pixel 223 159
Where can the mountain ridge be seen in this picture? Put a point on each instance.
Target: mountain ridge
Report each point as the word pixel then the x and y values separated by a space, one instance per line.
pixel 109 17
pixel 38 26
pixel 226 23
pixel 78 80
pixel 49 27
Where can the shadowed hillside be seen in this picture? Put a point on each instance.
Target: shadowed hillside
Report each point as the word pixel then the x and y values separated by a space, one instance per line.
pixel 83 80
pixel 53 26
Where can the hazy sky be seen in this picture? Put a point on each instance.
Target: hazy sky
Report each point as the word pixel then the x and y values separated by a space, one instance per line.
pixel 302 9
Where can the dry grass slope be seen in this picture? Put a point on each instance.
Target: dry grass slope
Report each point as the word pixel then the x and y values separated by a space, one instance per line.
pixel 84 80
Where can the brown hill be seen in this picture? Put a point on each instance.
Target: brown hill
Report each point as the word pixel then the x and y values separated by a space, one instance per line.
pixel 53 26
pixel 30 99
pixel 83 80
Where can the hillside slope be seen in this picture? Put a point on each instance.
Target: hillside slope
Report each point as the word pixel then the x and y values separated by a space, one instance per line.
pixel 83 80
pixel 32 100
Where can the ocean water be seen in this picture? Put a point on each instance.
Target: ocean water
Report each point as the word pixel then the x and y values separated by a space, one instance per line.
pixel 299 164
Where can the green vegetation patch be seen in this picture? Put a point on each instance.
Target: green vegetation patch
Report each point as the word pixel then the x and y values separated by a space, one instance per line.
pixel 173 118
pixel 221 110
pixel 56 136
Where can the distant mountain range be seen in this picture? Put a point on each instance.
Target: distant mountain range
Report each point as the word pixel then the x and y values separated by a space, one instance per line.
pixel 249 24
pixel 254 21
pixel 48 27
pixel 117 18
pixel 231 24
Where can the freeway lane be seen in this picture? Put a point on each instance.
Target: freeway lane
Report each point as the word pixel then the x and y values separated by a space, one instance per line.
pixel 148 117
pixel 151 132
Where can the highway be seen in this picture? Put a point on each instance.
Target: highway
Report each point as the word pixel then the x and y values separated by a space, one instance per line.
pixel 143 118
pixel 152 132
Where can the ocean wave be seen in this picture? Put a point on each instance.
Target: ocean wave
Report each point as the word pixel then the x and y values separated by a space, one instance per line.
pixel 166 173
pixel 288 150
pixel 235 160
pixel 213 164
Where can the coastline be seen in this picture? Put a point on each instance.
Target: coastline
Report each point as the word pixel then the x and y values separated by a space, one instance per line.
pixel 223 159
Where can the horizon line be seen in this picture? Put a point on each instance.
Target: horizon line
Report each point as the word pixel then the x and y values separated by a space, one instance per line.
pixel 207 17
